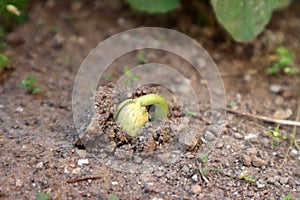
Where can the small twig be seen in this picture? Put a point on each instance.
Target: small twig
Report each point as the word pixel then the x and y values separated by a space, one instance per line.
pixel 83 179
pixel 266 119
pixel 292 139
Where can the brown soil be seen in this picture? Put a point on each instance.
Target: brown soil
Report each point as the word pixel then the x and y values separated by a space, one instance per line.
pixel 39 146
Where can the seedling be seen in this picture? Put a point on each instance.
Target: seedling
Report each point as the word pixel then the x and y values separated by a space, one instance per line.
pixel 130 77
pixel 141 57
pixel 288 197
pixel 3 61
pixel 248 179
pixel 232 104
pixel 284 62
pixel 132 114
pixel 193 114
pixel 112 197
pixel 108 76
pixel 275 133
pixel 29 84
pixel 42 196
pixel 203 158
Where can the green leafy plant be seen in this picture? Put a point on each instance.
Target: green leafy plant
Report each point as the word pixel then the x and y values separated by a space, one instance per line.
pixel 130 77
pixel 193 114
pixel 203 158
pixel 112 197
pixel 42 196
pixel 141 57
pixel 284 62
pixel 276 134
pixel 248 179
pixel 243 19
pixel 132 113
pixel 3 61
pixel 288 197
pixel 29 84
pixel 154 6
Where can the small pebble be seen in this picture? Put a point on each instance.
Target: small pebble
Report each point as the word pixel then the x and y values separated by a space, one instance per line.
pixel 238 135
pixel 260 185
pixel 209 136
pixel 185 169
pixel 219 144
pixel 159 173
pixel 19 183
pixel 271 180
pixel 257 162
pixel 246 160
pixel 275 88
pixel 242 174
pixel 114 183
pixel 39 165
pixel 82 162
pixel 195 177
pixel 196 189
pixel 283 180
pixel 76 170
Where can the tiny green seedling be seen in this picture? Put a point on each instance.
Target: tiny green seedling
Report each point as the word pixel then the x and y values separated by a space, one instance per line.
pixel 3 61
pixel 248 179
pixel 288 197
pixel 132 113
pixel 203 158
pixel 284 62
pixel 112 197
pixel 29 84
pixel 108 76
pixel 193 114
pixel 276 134
pixel 141 57
pixel 232 104
pixel 42 196
pixel 130 77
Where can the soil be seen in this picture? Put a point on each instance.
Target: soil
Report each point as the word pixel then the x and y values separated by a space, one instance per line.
pixel 41 150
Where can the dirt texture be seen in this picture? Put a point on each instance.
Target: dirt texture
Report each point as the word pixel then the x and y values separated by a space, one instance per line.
pixel 40 149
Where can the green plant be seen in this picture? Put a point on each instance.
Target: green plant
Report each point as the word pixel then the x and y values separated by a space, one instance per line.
pixel 288 197
pixel 243 19
pixel 193 114
pixel 248 179
pixel 3 61
pixel 154 6
pixel 284 62
pixel 203 158
pixel 112 197
pixel 276 134
pixel 29 84
pixel 132 113
pixel 108 76
pixel 42 196
pixel 141 57
pixel 130 77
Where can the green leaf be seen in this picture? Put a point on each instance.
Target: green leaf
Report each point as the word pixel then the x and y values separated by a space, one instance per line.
pixel 203 158
pixel 284 61
pixel 282 51
pixel 42 196
pixel 3 61
pixel 288 197
pixel 154 6
pixel 244 19
pixel 112 197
